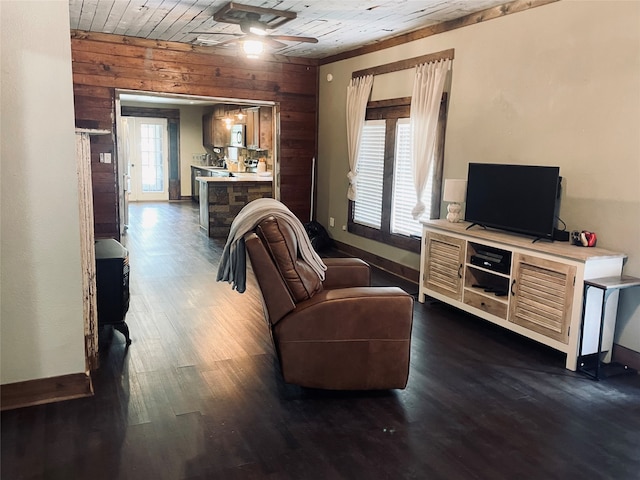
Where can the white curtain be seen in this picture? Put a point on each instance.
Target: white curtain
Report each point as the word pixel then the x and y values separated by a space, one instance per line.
pixel 358 93
pixel 425 106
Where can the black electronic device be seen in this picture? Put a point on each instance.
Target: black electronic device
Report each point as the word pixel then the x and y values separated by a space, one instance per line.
pixel 491 263
pixel 490 258
pixel 517 198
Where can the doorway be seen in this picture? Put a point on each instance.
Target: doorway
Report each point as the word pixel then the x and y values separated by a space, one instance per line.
pixel 185 142
pixel 147 163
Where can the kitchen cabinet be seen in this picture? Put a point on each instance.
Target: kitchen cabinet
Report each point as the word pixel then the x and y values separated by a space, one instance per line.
pixel 222 198
pixel 195 188
pixel 260 128
pixel 534 289
pixel 266 129
pixel 253 128
pixel 213 132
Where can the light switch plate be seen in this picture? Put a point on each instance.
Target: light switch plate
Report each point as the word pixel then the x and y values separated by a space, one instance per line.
pixel 105 157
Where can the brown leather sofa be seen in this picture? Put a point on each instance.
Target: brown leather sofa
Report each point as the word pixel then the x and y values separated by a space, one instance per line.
pixel 340 334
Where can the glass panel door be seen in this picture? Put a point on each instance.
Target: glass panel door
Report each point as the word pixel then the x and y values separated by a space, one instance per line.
pixel 148 162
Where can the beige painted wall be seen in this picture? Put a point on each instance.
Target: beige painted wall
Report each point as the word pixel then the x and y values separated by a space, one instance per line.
pixel 190 143
pixel 554 85
pixel 42 330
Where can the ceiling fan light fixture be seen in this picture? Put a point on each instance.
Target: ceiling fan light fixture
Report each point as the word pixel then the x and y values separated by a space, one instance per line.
pixel 252 25
pixel 252 48
pixel 257 30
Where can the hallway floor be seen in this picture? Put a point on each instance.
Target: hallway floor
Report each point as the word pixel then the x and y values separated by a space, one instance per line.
pixel 198 394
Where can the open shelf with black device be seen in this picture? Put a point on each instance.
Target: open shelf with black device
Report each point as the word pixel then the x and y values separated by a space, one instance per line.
pixel 533 289
pixel 486 278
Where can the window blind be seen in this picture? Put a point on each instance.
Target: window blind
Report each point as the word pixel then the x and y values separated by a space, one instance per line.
pixel 368 205
pixel 404 194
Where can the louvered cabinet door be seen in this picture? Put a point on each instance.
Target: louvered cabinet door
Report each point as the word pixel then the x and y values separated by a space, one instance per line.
pixel 542 296
pixel 443 264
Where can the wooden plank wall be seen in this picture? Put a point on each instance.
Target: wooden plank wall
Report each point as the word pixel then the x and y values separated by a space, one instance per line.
pixel 103 63
pixel 94 109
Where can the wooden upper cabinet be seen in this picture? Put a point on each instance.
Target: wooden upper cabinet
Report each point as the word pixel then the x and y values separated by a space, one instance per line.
pixel 443 264
pixel 542 296
pixel 260 128
pixel 253 128
pixel 213 131
pixel 266 129
pixel 220 134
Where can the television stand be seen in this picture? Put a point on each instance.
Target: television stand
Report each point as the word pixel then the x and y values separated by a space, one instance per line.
pixel 544 285
pixel 542 238
pixel 474 224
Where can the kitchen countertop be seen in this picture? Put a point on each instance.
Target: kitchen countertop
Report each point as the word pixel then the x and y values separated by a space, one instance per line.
pixel 236 177
pixel 208 167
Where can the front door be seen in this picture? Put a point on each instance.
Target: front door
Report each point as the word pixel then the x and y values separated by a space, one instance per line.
pixel 148 159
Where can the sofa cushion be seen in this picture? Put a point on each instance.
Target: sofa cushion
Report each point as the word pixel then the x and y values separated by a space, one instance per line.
pixel 281 242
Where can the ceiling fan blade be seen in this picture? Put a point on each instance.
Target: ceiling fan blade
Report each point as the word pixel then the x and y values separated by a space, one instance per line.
pixel 290 38
pixel 217 43
pixel 271 42
pixel 218 33
pixel 229 41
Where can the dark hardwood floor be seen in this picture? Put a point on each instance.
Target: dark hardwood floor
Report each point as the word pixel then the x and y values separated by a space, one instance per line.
pixel 198 394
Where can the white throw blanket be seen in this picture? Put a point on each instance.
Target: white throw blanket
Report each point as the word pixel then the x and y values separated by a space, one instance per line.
pixel 233 268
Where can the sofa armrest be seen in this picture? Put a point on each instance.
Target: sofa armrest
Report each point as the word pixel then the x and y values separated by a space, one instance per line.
pixel 383 313
pixel 346 272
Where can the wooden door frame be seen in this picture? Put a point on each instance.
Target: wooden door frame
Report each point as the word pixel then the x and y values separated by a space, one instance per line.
pixel 87 249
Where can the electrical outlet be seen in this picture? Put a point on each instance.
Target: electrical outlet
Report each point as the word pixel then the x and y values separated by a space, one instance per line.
pixel 105 157
pixel 344 228
pixel 332 222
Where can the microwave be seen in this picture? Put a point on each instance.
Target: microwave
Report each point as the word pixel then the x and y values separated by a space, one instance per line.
pixel 237 136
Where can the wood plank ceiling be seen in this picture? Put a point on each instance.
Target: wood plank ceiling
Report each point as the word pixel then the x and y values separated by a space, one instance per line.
pixel 339 25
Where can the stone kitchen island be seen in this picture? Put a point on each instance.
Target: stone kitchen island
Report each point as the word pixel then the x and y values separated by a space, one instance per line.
pixel 223 196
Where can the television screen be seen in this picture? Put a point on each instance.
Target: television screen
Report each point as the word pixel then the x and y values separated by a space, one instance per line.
pixel 518 198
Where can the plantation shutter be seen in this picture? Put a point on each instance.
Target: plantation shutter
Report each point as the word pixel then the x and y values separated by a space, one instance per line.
pixel 404 194
pixel 368 205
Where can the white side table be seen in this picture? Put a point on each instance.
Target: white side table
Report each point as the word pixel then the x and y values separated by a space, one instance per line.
pixel 608 285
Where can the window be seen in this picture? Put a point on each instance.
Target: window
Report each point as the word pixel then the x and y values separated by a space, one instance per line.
pixel 403 195
pixel 151 136
pixel 386 194
pixel 368 209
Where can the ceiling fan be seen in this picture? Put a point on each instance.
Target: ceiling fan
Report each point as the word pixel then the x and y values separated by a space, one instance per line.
pixel 254 22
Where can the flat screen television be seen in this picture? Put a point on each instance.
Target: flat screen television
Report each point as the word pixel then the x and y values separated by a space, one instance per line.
pixel 517 198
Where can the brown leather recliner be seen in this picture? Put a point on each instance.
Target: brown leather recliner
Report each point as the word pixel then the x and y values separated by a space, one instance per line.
pixel 340 334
